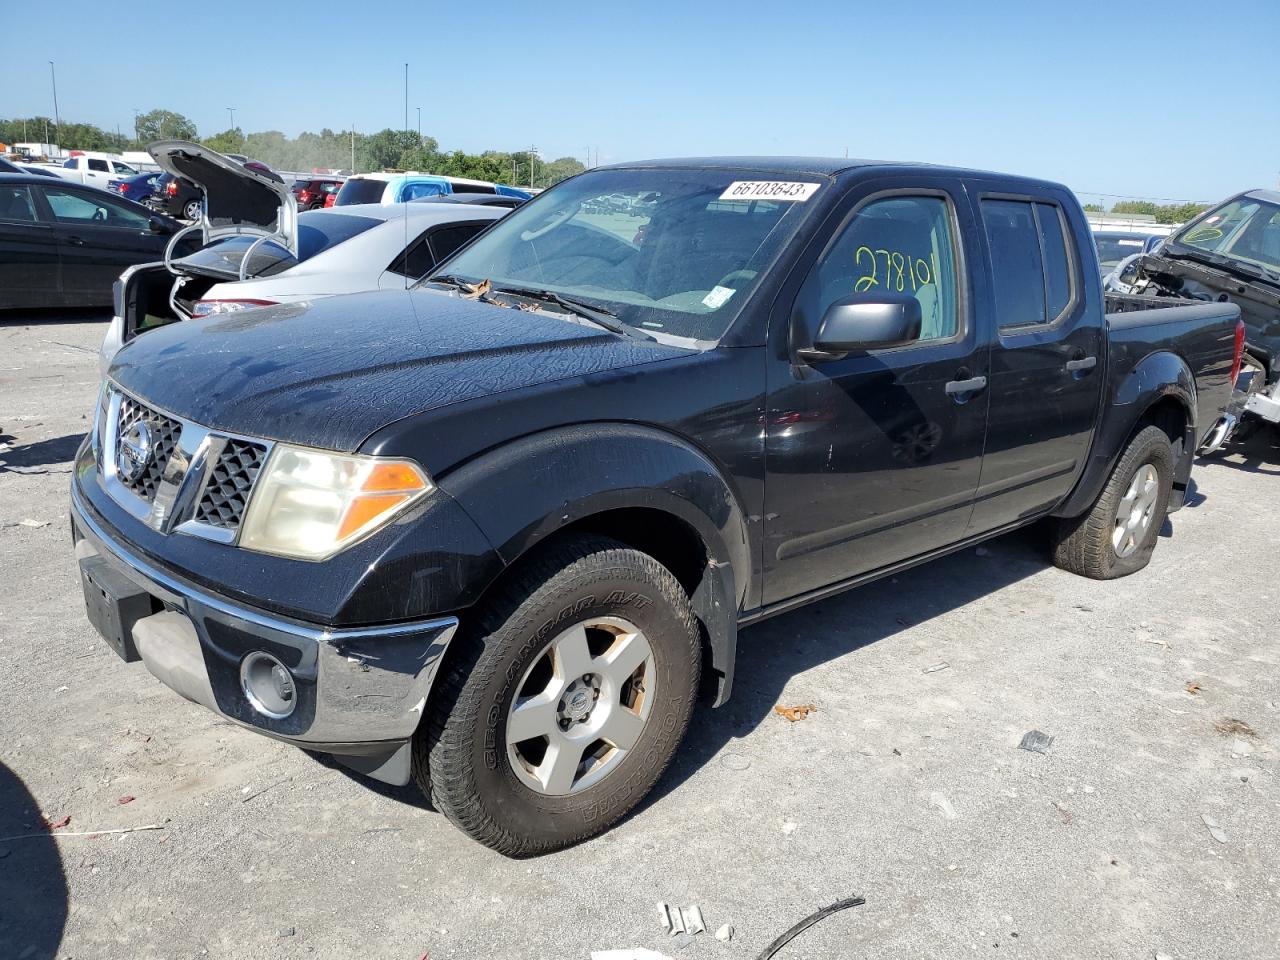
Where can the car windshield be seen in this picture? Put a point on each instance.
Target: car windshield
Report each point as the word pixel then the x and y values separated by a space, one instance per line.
pixel 1114 247
pixel 668 251
pixel 1246 229
pixel 317 232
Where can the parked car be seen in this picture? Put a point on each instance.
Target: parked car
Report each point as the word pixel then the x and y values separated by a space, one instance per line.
pixel 1114 245
pixel 137 188
pixel 37 170
pixel 1229 253
pixel 179 197
pixel 476 199
pixel 346 250
pixel 94 169
pixel 7 167
pixel 495 533
pixel 64 244
pixel 311 193
pixel 403 187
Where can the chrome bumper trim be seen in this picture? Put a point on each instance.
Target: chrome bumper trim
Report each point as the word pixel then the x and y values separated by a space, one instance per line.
pixel 356 685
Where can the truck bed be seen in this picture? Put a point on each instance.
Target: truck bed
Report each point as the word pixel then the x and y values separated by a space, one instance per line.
pixel 1202 334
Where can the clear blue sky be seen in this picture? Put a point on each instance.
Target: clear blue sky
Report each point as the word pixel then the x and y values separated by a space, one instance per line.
pixel 1175 99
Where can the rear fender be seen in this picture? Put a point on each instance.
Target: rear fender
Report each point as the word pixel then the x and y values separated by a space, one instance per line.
pixel 1156 377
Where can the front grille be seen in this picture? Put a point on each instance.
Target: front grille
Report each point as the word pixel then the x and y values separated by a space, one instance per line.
pixel 164 433
pixel 230 481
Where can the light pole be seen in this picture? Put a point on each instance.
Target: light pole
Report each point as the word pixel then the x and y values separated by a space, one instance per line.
pixel 419 126
pixel 53 77
pixel 231 112
pixel 137 137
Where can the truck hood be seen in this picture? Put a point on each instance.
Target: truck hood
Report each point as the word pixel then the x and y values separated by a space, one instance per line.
pixel 328 373
pixel 235 195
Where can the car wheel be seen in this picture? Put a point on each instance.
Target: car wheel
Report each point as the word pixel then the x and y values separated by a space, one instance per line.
pixel 191 210
pixel 1117 536
pixel 570 695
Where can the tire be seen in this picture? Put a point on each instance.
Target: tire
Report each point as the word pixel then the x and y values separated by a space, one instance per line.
pixel 510 794
pixel 191 210
pixel 1093 544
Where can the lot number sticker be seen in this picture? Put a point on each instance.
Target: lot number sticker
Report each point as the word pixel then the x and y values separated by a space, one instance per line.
pixel 769 190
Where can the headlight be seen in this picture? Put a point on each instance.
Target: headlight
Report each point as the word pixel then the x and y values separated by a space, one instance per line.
pixel 310 504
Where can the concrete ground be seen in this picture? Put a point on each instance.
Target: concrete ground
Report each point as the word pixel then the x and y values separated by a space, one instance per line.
pixel 1150 827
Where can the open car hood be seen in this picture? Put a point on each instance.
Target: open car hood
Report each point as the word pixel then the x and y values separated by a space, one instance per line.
pixel 235 196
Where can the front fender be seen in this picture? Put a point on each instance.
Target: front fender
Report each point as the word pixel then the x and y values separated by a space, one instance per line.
pixel 527 490
pixel 524 491
pixel 1157 376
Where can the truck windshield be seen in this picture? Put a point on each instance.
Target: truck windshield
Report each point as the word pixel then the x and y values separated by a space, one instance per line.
pixel 1245 229
pixel 668 251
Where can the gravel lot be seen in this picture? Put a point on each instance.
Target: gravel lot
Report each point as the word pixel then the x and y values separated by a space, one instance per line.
pixel 906 785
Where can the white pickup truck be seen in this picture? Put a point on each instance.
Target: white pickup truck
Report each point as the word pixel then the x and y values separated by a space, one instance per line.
pixel 95 169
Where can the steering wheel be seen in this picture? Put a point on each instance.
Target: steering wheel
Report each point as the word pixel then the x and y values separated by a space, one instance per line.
pixel 100 214
pixel 747 275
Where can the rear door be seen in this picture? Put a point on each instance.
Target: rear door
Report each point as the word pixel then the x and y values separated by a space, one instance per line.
pixel 98 236
pixel 30 272
pixel 1047 360
pixel 874 458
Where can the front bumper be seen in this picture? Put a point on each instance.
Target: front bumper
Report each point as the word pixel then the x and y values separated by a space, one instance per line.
pixel 360 692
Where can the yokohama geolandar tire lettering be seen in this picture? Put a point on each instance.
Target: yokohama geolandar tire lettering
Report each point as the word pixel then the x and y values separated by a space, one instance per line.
pixel 462 756
pixel 1118 533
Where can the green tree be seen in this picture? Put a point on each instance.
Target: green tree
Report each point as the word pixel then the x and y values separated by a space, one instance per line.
pixel 1180 212
pixel 552 173
pixel 228 141
pixel 1094 208
pixel 164 125
pixel 1135 206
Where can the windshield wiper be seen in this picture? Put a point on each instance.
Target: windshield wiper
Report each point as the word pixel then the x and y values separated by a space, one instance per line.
pixel 597 315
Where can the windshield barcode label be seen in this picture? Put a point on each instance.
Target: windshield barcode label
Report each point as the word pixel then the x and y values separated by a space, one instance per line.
pixel 769 190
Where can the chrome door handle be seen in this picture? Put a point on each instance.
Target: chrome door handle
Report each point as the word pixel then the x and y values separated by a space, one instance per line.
pixel 1085 363
pixel 971 385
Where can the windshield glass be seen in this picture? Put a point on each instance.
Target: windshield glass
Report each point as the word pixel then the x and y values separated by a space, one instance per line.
pixel 673 252
pixel 1245 229
pixel 1114 247
pixel 317 232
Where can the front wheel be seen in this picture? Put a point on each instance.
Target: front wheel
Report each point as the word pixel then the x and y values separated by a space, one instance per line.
pixel 569 699
pixel 1117 536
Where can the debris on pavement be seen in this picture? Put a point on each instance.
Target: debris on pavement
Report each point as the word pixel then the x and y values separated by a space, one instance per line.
pixel 1230 726
pixel 735 761
pixel 772 949
pixel 940 801
pixel 1036 742
pixel 80 833
pixel 795 714
pixel 788 828
pixel 127 798
pixel 59 823
pixel 940 665
pixel 1215 831
pixel 28 522
pixel 1066 815
pixel 725 933
pixel 1193 687
pixel 677 920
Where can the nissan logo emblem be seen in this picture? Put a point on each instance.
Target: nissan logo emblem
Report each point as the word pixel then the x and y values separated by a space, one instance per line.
pixel 134 451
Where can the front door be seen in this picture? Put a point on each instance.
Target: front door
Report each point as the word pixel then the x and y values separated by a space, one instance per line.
pixel 98 236
pixel 874 458
pixel 1046 361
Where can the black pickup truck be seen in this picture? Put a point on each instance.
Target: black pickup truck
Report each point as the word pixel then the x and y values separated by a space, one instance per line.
pixel 497 533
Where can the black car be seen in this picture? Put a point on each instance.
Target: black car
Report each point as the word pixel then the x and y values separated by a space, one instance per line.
pixel 497 532
pixel 64 244
pixel 176 197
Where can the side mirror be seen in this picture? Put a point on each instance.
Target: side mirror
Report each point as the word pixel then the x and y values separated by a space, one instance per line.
pixel 866 321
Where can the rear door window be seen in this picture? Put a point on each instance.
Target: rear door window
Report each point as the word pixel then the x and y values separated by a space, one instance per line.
pixel 448 239
pixel 360 191
pixel 1030 261
pixel 98 166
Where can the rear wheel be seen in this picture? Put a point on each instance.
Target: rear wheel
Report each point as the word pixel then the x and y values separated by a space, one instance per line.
pixel 1117 536
pixel 191 210
pixel 568 701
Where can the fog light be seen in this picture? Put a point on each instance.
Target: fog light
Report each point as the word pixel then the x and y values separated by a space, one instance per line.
pixel 268 684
